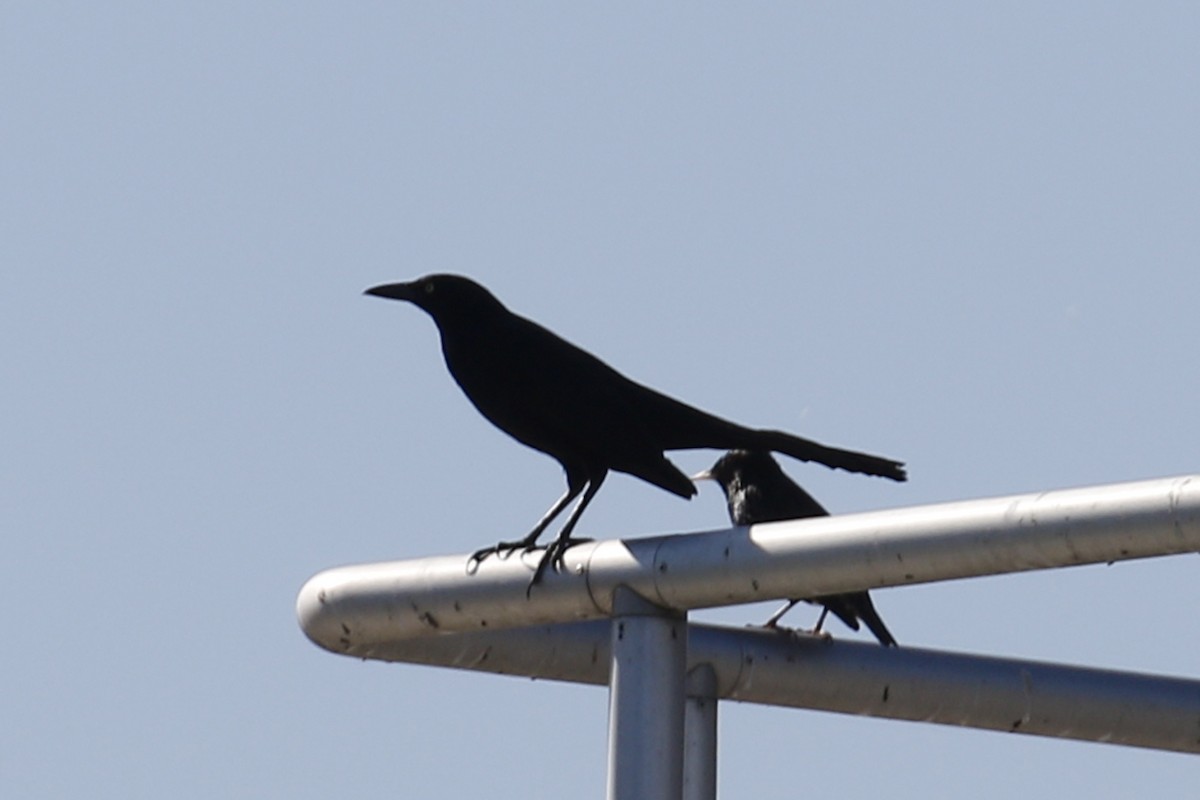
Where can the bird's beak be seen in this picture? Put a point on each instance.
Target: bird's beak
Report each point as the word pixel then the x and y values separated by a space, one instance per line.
pixel 703 475
pixel 394 291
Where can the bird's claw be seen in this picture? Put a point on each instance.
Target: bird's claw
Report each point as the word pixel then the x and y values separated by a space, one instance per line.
pixel 774 626
pixel 553 557
pixel 478 556
pixel 501 550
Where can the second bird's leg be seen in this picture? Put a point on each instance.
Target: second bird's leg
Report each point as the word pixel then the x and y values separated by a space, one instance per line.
pixel 530 541
pixel 821 621
pixel 778 615
pixel 554 553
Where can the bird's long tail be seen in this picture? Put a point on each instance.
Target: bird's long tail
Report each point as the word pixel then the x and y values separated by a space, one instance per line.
pixel 870 617
pixel 833 457
pixel 678 426
pixel 854 606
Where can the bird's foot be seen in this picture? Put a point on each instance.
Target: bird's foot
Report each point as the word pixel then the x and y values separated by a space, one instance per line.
pixel 773 622
pixel 553 557
pixel 558 551
pixel 547 558
pixel 782 630
pixel 501 550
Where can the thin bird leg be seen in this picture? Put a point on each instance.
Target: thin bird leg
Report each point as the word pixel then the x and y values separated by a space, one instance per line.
pixel 530 541
pixel 820 621
pixel 773 622
pixel 554 553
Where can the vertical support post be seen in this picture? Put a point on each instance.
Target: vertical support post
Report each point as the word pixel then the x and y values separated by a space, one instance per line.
pixel 700 735
pixel 646 700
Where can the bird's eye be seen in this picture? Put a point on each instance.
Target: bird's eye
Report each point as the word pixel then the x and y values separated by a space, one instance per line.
pixel 428 287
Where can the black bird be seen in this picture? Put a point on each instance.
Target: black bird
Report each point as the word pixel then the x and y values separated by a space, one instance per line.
pixel 757 490
pixel 554 397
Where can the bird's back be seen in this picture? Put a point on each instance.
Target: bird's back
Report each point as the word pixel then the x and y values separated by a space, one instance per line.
pixel 557 398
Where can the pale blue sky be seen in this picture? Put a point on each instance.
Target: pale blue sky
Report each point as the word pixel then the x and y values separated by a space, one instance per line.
pixel 962 236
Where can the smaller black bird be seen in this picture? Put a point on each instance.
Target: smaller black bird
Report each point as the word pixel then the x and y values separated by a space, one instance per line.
pixel 757 490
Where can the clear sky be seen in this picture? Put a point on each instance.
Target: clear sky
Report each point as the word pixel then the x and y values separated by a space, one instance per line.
pixel 962 235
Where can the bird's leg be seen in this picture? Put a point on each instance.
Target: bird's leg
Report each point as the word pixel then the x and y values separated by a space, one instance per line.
pixel 816 631
pixel 530 541
pixel 554 553
pixel 773 622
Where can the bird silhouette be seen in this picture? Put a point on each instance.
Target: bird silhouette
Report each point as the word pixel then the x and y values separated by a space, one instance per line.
pixel 557 398
pixel 757 490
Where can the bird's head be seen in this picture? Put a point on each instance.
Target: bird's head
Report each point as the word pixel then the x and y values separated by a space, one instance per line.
pixel 442 296
pixel 738 466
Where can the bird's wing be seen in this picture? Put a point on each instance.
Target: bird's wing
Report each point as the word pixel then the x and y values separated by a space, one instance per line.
pixel 562 400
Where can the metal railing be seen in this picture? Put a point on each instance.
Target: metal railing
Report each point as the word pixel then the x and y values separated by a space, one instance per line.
pixel 616 614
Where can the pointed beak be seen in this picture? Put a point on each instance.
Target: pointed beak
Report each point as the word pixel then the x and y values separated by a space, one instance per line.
pixel 394 291
pixel 703 475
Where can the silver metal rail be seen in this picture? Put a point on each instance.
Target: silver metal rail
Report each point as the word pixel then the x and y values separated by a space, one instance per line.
pixel 756 665
pixel 636 594
pixel 369 603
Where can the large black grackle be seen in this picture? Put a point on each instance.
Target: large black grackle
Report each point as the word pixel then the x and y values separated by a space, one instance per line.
pixel 757 490
pixel 554 397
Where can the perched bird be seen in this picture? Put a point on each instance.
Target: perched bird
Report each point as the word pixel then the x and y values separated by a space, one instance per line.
pixel 554 397
pixel 757 490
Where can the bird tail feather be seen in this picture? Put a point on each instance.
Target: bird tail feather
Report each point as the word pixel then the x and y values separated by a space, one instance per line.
pixel 679 426
pixel 868 614
pixel 833 457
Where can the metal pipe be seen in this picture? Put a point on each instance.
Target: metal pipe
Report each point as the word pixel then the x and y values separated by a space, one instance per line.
pixel 905 683
pixel 700 734
pixel 802 558
pixel 645 705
